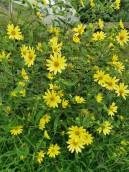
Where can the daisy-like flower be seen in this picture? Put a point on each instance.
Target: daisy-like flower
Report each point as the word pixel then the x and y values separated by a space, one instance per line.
pixel 79 29
pixel 39 47
pixel 24 74
pixel 51 99
pixel 44 3
pixel 98 36
pixel 100 24
pixel 99 97
pixel 54 30
pixel 53 151
pixel 121 90
pixel 30 57
pixel 76 39
pixel 100 77
pixel 65 103
pixel 122 37
pixel 40 156
pixel 88 138
pixel 46 135
pixel 53 87
pixel 117 3
pixel 24 51
pixel 79 99
pixel 92 4
pixel 41 124
pixel 111 83
pixel 2 55
pixel 46 118
pixel 39 15
pixel 14 32
pixel 77 132
pixel 56 48
pixel 105 128
pixel 75 145
pixel 17 130
pixel 119 66
pixel 121 24
pixel 112 109
pixel 56 64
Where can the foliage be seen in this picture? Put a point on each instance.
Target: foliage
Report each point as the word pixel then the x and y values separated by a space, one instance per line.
pixel 103 9
pixel 63 95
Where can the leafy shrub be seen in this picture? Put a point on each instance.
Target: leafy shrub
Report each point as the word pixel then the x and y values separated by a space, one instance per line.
pixel 64 96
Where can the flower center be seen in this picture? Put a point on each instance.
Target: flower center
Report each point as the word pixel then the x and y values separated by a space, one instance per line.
pixel 77 133
pixel 110 83
pixel 98 37
pixel 56 64
pixel 52 98
pixel 121 91
pixel 121 38
pixel 30 56
pixel 13 32
pixel 100 78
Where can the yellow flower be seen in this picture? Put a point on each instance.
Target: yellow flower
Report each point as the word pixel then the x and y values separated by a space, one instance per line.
pixel 75 145
pixel 76 39
pixel 111 83
pixel 56 48
pixel 30 57
pixel 122 37
pixel 100 24
pixel 22 84
pixel 114 58
pixel 17 130
pixel 92 4
pixel 40 156
pixel 39 47
pixel 82 3
pixel 23 92
pixel 121 90
pixel 50 76
pixel 53 151
pixel 105 128
pixel 79 99
pixel 101 77
pixel 98 36
pixel 41 124
pixel 99 97
pixel 46 118
pixel 13 32
pixel 88 138
pixel 79 29
pixel 112 109
pixel 51 99
pixel 46 135
pixel 14 93
pixel 39 15
pixel 24 74
pixel 56 64
pixel 8 109
pixel 24 51
pixel 65 103
pixel 53 87
pixel 44 3
pixel 77 133
pixel 56 31
pixel 2 55
pixel 117 3
pixel 119 66
pixel 121 24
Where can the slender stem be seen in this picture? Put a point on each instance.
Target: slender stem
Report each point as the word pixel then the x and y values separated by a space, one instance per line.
pixel 10 7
